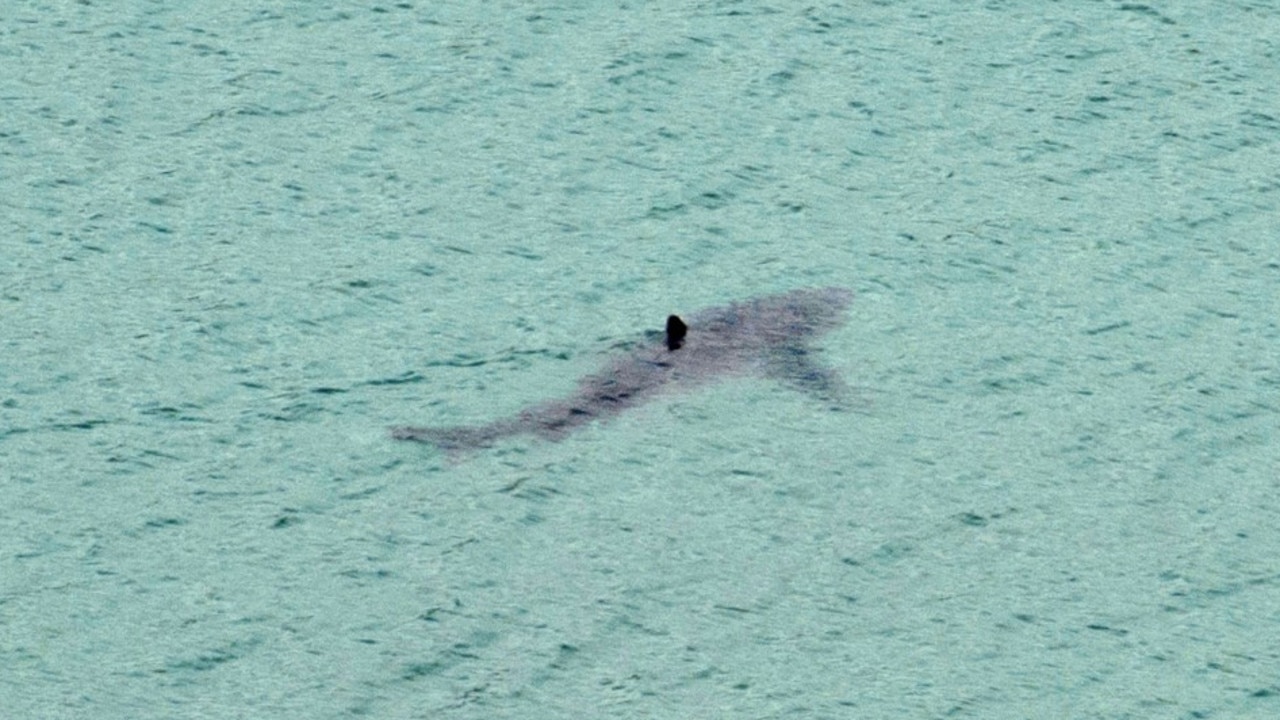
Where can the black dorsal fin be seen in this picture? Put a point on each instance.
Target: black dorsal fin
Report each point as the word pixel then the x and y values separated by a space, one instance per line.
pixel 676 330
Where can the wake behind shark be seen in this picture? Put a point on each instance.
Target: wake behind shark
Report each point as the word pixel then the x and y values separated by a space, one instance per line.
pixel 770 336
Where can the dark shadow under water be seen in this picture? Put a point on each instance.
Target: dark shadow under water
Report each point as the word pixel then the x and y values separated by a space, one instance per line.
pixel 772 336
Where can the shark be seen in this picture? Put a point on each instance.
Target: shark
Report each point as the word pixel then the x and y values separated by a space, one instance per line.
pixel 772 336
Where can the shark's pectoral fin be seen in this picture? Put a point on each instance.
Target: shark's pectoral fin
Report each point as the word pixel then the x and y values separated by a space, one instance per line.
pixel 796 367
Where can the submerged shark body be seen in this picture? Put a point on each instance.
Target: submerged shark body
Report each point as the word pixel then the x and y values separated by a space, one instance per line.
pixel 769 336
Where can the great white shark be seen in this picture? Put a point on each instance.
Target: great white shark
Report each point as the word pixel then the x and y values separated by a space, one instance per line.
pixel 771 336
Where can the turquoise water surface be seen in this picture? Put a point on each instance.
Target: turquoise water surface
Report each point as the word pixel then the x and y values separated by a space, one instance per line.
pixel 242 242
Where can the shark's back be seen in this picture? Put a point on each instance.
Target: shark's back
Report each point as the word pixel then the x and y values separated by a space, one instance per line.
pixel 770 336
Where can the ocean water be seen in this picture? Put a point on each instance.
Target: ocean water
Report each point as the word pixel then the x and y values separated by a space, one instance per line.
pixel 241 242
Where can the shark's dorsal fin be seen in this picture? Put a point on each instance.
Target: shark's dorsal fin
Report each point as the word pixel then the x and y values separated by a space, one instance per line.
pixel 676 330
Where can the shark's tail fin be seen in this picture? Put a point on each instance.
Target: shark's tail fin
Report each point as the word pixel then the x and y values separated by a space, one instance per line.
pixel 456 442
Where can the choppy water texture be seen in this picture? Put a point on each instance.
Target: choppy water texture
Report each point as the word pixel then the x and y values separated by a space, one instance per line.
pixel 241 240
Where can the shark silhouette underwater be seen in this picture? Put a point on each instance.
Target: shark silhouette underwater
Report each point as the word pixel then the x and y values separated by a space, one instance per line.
pixel 771 336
